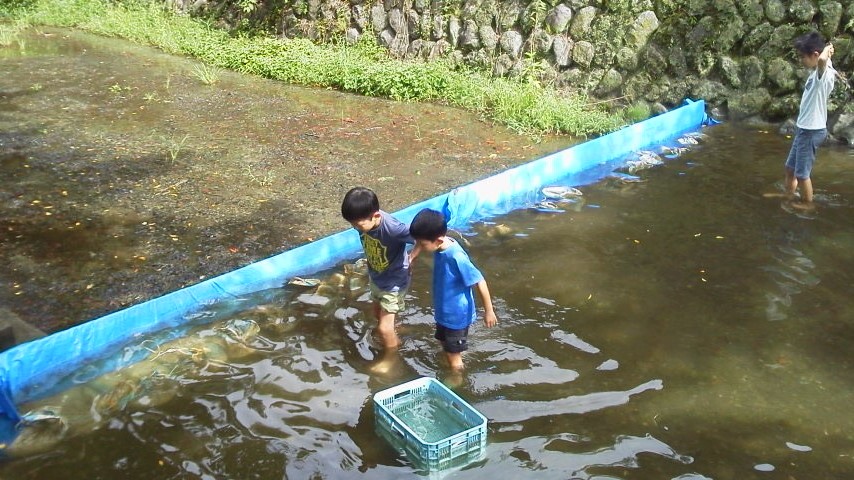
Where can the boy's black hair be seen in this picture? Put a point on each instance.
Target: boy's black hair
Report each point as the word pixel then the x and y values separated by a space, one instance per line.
pixel 359 203
pixel 809 43
pixel 428 225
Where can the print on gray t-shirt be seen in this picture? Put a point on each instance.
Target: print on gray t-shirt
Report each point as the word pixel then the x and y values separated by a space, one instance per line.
pixel 385 250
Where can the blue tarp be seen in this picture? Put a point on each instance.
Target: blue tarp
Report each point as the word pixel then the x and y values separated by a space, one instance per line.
pixel 32 370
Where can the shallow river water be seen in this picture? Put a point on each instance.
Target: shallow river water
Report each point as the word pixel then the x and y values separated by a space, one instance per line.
pixel 681 327
pixel 123 176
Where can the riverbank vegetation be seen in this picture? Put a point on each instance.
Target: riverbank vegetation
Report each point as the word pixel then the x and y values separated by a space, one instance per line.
pixel 363 68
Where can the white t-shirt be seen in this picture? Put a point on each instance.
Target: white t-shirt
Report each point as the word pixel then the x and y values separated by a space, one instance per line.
pixel 813 113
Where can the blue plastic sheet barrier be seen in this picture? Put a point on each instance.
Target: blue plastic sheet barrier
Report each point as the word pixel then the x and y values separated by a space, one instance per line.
pixel 582 164
pixel 32 370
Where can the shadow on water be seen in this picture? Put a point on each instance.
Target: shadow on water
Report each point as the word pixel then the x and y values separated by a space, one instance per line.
pixel 125 177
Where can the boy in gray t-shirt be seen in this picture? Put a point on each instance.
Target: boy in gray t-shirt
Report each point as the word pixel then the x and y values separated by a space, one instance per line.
pixel 384 240
pixel 811 127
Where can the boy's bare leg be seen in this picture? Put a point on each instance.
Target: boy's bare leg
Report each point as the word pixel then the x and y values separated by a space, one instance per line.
pixel 389 338
pixel 385 327
pixel 806 188
pixel 388 359
pixel 455 361
pixel 791 183
pixel 806 203
pixel 454 379
pixel 790 186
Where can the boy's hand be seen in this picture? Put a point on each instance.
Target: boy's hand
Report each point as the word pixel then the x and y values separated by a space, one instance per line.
pixel 490 319
pixel 413 254
pixel 829 49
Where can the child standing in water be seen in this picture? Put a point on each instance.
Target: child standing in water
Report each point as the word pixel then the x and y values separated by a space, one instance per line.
pixel 384 240
pixel 811 127
pixel 454 275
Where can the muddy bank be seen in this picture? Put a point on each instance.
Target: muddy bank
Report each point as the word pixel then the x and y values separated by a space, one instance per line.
pixel 125 177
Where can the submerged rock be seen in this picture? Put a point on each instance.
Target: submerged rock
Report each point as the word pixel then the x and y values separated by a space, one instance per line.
pixel 642 161
pixel 557 193
pixel 38 431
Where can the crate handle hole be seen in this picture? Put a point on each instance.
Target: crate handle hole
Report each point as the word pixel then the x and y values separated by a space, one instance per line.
pixel 402 394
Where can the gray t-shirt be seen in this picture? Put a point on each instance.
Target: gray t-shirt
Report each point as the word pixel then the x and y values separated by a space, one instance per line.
pixel 813 113
pixel 385 250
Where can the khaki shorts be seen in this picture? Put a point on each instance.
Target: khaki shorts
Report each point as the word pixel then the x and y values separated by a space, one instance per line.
pixel 391 302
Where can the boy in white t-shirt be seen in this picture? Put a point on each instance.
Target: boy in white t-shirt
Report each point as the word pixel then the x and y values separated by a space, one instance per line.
pixel 811 127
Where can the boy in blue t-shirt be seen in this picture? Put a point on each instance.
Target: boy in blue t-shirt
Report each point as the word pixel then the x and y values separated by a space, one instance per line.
pixel 454 275
pixel 384 240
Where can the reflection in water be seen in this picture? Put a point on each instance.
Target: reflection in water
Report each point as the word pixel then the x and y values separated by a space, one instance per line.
pixel 791 271
pixel 519 411
pixel 508 363
pixel 560 457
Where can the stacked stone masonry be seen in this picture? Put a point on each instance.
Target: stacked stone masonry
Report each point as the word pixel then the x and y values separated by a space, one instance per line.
pixel 735 54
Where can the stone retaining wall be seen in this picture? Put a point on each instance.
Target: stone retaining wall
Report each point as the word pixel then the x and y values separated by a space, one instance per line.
pixel 735 54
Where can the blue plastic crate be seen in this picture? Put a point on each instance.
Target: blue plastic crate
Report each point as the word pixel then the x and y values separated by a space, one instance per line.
pixel 434 426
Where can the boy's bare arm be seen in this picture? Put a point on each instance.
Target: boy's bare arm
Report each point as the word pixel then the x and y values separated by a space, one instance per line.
pixel 413 254
pixel 489 317
pixel 824 57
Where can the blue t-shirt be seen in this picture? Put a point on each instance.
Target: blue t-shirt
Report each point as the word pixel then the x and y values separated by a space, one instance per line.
pixel 454 275
pixel 385 250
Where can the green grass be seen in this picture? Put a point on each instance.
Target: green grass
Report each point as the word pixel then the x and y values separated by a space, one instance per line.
pixel 363 68
pixel 10 33
pixel 638 111
pixel 206 74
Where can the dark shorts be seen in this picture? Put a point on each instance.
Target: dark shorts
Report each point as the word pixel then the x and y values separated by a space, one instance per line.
pixel 802 155
pixel 453 341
